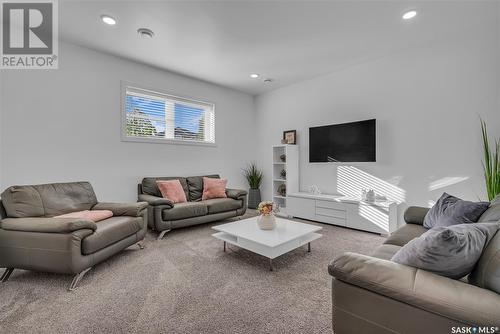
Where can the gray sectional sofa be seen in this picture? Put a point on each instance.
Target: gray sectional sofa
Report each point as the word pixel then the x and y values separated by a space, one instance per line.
pixel 164 215
pixel 372 294
pixel 31 239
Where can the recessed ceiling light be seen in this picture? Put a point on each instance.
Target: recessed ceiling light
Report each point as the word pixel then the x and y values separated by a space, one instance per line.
pixel 108 20
pixel 409 15
pixel 268 80
pixel 145 32
pixel 254 75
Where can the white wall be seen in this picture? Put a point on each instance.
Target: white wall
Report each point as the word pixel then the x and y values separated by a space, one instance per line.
pixel 63 125
pixel 426 101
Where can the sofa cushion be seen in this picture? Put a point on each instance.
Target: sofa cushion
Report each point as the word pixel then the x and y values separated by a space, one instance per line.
pixel 22 202
pixel 48 199
pixel 448 251
pixel 195 186
pixel 217 205
pixel 185 210
pixel 404 234
pixel 109 231
pixel 486 274
pixel 92 215
pixel 172 190
pixel 213 188
pixel 492 214
pixel 450 210
pixel 386 251
pixel 150 187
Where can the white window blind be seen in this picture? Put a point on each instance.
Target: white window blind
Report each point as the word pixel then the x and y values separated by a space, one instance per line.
pixel 154 116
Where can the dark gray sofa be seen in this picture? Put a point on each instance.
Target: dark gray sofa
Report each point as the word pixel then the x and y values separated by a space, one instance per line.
pixel 31 239
pixel 164 215
pixel 372 294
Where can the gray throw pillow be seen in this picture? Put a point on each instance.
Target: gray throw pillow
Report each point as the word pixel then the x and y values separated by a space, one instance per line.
pixel 448 251
pixel 451 210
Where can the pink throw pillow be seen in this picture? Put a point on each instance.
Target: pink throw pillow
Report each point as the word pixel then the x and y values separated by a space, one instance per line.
pixel 94 215
pixel 213 188
pixel 172 190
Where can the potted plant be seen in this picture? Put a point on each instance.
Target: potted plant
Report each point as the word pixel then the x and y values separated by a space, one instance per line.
pixel 254 178
pixel 491 164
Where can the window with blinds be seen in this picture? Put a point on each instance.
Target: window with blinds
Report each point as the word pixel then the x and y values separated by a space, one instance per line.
pixel 156 117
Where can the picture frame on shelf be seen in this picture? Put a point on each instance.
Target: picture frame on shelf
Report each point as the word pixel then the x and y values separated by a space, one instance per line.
pixel 290 137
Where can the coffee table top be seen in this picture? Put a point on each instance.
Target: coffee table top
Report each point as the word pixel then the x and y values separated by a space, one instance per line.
pixel 285 231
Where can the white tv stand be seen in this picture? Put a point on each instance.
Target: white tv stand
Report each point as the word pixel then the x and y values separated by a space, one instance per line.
pixel 378 217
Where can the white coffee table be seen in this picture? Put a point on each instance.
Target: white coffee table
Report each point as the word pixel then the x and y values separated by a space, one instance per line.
pixel 288 235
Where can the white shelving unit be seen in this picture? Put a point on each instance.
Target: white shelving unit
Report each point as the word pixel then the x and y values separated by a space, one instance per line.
pixel 291 181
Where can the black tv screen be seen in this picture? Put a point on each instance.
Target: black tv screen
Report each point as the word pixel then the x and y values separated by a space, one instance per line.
pixel 347 142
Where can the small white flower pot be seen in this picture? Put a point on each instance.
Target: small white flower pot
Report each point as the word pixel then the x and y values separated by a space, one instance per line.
pixel 266 222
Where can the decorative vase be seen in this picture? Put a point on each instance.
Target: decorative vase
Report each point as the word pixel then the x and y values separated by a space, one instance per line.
pixel 253 198
pixel 266 222
pixel 281 190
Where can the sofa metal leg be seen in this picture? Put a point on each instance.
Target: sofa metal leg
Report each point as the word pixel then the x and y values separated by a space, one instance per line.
pixel 162 234
pixel 6 274
pixel 141 244
pixel 76 279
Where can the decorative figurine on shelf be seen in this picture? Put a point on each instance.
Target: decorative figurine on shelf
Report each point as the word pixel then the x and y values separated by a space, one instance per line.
pixel 283 158
pixel 283 174
pixel 266 219
pixel 282 190
pixel 368 195
pixel 314 189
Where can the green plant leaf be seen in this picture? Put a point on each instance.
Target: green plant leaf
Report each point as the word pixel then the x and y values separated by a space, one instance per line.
pixel 253 175
pixel 491 163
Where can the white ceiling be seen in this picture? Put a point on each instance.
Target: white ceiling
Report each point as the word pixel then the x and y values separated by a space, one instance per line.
pixel 223 42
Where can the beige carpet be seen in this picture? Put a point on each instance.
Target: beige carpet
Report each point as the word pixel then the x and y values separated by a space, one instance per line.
pixel 185 284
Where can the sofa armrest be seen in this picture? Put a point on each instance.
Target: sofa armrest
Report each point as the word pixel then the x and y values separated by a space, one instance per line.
pixel 122 209
pixel 437 294
pixel 155 200
pixel 236 193
pixel 415 215
pixel 47 225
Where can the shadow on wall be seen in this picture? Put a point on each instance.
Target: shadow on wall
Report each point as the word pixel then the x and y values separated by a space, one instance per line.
pixel 444 182
pixel 351 181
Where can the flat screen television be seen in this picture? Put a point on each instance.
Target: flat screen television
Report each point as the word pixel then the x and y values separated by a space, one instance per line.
pixel 347 142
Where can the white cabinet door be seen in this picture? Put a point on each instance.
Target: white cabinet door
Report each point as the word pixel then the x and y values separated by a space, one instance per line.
pixel 368 218
pixel 301 207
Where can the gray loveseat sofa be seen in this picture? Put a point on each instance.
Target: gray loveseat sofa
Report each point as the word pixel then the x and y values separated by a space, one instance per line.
pixel 164 215
pixel 372 294
pixel 31 239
